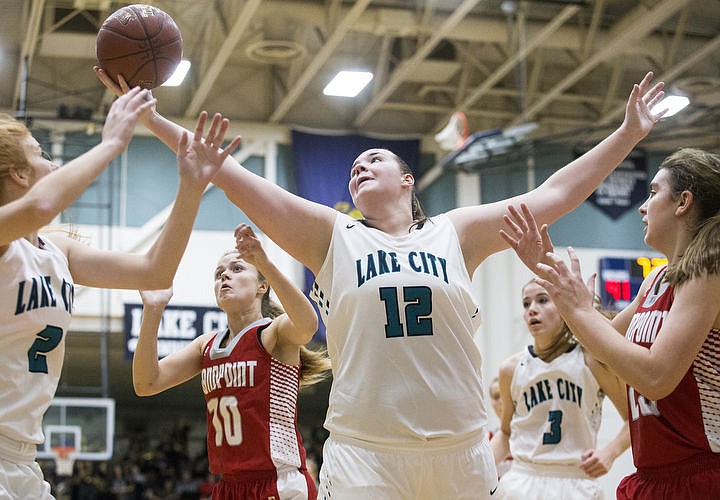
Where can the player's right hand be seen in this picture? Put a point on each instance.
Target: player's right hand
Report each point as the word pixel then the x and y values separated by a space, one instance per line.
pixel 124 114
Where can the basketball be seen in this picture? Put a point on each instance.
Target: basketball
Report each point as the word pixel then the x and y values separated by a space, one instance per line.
pixel 140 42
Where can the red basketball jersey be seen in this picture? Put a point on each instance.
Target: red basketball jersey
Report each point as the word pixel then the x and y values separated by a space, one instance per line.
pixel 687 421
pixel 251 406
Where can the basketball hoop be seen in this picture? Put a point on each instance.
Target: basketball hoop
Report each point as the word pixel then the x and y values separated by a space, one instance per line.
pixel 64 460
pixel 455 133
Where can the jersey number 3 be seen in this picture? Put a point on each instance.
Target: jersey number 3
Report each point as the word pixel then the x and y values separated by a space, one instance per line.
pixel 226 420
pixel 45 341
pixel 418 308
pixel 554 435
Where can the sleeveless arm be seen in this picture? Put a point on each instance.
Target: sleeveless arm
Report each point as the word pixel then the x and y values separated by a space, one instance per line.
pixel 479 226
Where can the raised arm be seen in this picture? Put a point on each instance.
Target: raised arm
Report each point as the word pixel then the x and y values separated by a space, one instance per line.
pixel 56 191
pixel 299 323
pixel 198 161
pixel 478 226
pixel 151 376
pixel 286 218
pixel 653 372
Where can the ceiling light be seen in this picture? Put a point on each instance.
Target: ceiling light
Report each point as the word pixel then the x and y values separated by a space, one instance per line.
pixel 177 78
pixel 673 103
pixel 348 83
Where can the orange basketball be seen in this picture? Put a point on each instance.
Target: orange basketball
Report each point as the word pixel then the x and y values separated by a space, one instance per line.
pixel 140 42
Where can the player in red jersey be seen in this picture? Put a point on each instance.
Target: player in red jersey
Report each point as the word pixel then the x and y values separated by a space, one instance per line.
pixel 250 374
pixel 669 355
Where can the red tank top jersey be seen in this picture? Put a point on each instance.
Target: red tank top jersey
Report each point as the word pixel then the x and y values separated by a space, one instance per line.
pixel 685 423
pixel 251 406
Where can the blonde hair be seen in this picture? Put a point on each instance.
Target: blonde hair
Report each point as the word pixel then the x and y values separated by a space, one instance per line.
pixel 314 364
pixel 698 172
pixel 12 153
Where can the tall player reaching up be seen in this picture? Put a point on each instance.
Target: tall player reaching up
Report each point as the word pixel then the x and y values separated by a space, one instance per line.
pixel 38 272
pixel 668 348
pixel 406 414
pixel 251 373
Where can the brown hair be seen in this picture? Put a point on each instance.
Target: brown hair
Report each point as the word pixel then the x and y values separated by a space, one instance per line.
pixel 698 172
pixel 418 214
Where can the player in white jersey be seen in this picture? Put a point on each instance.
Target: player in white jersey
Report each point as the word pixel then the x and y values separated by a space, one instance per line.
pixel 38 272
pixel 664 345
pixel 408 336
pixel 553 391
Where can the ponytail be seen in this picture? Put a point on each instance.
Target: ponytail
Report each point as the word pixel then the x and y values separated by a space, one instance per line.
pixel 315 366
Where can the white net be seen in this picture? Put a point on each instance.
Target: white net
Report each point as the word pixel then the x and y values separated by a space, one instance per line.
pixel 64 460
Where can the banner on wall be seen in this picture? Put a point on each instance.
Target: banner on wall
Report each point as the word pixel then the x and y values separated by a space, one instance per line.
pixel 322 171
pixel 623 189
pixel 178 327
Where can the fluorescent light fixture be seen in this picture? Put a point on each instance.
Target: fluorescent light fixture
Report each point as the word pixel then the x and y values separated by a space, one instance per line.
pixel 177 78
pixel 673 103
pixel 348 83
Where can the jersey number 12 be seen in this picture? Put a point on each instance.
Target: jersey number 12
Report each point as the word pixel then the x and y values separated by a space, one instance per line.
pixel 418 308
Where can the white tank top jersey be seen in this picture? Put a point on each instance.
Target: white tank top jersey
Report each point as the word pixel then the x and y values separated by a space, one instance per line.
pixel 400 321
pixel 558 409
pixel 36 296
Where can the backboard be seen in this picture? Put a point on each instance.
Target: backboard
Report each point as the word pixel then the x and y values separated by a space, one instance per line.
pixel 86 424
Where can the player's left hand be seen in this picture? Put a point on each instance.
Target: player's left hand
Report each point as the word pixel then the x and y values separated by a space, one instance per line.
pixel 595 463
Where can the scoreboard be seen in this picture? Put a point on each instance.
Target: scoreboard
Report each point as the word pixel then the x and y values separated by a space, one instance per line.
pixel 620 279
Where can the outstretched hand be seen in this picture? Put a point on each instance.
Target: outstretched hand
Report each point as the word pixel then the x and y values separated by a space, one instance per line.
pixel 535 249
pixel 639 115
pixel 124 114
pixel 248 246
pixel 530 243
pixel 200 159
pixel 566 286
pixel 116 88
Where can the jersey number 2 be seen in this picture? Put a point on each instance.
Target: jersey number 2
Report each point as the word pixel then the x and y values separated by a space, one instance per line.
pixel 418 308
pixel 45 341
pixel 226 420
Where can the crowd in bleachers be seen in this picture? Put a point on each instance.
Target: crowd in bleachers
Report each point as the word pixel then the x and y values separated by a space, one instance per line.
pixel 145 470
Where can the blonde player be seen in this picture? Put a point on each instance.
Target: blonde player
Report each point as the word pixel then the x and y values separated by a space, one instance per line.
pixel 552 394
pixel 250 374
pixel 38 272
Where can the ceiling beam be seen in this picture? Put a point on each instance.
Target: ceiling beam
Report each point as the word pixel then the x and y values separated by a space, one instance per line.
pixel 27 52
pixel 514 60
pixel 242 21
pixel 634 26
pixel 407 66
pixel 318 61
pixel 710 48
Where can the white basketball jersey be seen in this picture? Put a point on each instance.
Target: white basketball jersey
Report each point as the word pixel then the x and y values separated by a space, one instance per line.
pixel 36 295
pixel 400 321
pixel 558 408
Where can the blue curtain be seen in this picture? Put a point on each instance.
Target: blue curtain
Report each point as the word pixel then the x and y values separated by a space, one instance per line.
pixel 322 170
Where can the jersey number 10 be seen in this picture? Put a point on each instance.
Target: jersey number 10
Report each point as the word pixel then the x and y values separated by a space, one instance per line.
pixel 226 420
